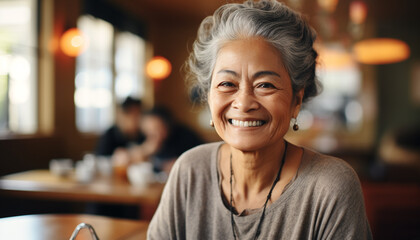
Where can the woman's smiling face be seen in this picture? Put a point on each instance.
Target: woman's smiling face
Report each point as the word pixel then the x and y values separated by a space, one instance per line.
pixel 251 98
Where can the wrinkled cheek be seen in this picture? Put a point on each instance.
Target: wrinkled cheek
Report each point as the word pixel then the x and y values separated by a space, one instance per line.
pixel 217 116
pixel 219 124
pixel 219 132
pixel 281 128
pixel 216 107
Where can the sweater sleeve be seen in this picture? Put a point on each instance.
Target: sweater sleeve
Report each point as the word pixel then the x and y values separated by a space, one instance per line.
pixel 169 220
pixel 341 207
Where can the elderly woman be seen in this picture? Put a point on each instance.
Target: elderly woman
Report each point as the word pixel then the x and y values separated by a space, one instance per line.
pixel 255 65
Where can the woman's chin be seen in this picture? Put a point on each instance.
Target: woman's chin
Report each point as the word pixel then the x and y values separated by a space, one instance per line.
pixel 247 146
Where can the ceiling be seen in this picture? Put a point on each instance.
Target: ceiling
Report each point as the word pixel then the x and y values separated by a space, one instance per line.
pixel 198 9
pixel 170 9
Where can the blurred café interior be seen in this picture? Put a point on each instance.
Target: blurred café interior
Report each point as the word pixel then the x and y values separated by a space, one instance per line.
pixel 66 65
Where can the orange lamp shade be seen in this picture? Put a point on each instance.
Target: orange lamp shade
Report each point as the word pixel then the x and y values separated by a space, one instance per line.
pixel 73 42
pixel 381 51
pixel 158 68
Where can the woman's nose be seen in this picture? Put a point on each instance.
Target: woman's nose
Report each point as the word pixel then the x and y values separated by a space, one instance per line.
pixel 245 100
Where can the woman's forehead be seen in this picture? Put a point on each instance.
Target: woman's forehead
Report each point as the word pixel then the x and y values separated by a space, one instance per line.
pixel 254 53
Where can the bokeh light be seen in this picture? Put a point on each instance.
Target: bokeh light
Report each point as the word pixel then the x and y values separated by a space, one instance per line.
pixel 358 12
pixel 328 5
pixel 381 51
pixel 158 68
pixel 73 42
pixel 334 57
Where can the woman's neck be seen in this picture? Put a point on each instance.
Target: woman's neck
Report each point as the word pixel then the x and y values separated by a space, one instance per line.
pixel 255 172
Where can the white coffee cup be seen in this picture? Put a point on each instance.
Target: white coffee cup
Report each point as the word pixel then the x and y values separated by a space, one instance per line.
pixel 91 161
pixel 84 172
pixel 104 166
pixel 61 167
pixel 141 174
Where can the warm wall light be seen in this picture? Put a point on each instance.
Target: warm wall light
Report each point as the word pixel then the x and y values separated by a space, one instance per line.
pixel 158 68
pixel 381 51
pixel 358 12
pixel 73 42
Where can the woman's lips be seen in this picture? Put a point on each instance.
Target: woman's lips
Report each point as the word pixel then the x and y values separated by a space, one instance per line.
pixel 241 123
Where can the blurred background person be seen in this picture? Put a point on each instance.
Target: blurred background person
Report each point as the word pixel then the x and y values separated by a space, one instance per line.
pixel 121 143
pixel 121 140
pixel 166 139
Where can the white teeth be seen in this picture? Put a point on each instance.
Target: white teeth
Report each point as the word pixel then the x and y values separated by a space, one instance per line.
pixel 239 123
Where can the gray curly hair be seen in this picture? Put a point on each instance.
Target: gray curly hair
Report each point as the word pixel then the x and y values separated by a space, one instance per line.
pixel 279 25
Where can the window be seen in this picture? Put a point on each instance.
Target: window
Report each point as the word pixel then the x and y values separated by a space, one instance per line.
pixel 18 66
pixel 129 59
pixel 93 94
pixel 339 116
pixel 110 70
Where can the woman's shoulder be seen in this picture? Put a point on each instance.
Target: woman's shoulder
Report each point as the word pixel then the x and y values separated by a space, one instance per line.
pixel 328 171
pixel 199 155
pixel 195 165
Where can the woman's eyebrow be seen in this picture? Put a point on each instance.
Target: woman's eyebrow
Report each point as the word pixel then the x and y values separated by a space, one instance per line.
pixel 255 76
pixel 228 72
pixel 264 73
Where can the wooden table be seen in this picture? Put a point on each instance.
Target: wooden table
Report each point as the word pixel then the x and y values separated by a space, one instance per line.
pixel 57 227
pixel 42 184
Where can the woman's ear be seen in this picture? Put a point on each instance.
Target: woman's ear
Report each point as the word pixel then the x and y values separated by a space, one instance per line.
pixel 298 100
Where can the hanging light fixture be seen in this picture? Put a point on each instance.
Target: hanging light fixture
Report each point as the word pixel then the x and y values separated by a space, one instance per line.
pixel 158 68
pixel 381 51
pixel 73 42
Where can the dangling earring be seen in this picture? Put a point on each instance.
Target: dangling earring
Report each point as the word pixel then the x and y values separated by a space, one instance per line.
pixel 211 123
pixel 295 125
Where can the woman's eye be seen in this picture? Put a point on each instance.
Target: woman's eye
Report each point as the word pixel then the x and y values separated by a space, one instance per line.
pixel 226 84
pixel 266 85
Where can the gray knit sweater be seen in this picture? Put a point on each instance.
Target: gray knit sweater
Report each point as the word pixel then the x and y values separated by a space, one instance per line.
pixel 324 201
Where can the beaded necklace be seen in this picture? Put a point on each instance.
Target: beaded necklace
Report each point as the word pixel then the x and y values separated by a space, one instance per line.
pixel 257 234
